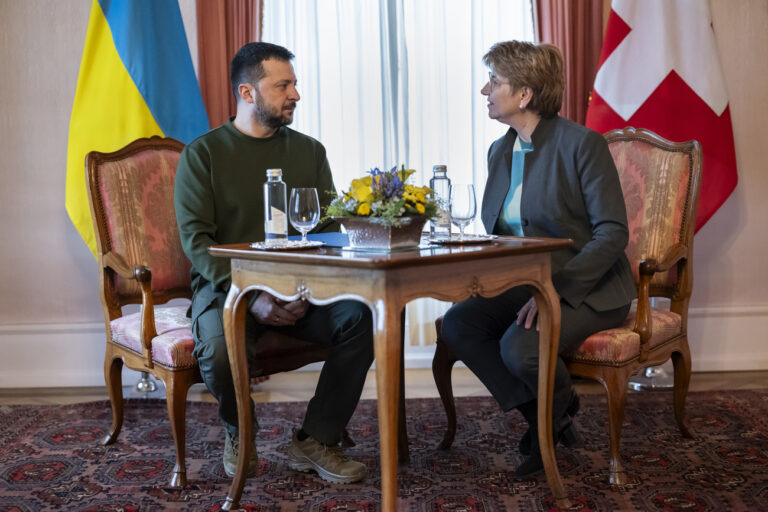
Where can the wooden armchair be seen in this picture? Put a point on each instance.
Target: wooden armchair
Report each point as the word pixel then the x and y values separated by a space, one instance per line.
pixel 131 197
pixel 660 181
pixel 141 262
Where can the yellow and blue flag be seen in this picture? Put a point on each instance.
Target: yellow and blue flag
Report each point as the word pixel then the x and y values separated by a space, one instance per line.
pixel 136 80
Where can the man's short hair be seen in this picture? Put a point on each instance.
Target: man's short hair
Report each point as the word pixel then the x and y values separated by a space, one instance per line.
pixel 247 64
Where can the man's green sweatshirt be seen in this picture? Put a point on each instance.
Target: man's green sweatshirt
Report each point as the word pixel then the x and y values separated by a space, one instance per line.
pixel 219 195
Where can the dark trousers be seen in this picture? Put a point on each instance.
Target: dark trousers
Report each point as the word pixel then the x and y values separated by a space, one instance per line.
pixel 346 326
pixel 505 356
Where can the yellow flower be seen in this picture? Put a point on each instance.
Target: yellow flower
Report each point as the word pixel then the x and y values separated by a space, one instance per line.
pixel 367 180
pixel 419 207
pixel 360 189
pixel 416 194
pixel 364 209
pixel 404 173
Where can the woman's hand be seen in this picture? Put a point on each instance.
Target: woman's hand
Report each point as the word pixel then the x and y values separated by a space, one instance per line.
pixel 527 314
pixel 270 310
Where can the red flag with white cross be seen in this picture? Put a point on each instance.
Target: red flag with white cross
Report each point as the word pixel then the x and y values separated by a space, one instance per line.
pixel 660 70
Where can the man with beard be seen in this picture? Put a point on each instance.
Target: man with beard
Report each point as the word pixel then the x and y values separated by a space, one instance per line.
pixel 218 200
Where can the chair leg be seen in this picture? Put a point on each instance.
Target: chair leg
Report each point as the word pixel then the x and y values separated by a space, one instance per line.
pixel 176 400
pixel 616 390
pixel 442 364
pixel 682 363
pixel 113 376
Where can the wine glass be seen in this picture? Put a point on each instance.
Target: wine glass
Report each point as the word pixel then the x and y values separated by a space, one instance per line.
pixel 304 210
pixel 463 206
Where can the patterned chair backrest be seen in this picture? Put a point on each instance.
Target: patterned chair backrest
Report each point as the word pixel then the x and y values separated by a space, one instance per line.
pixel 659 180
pixel 132 194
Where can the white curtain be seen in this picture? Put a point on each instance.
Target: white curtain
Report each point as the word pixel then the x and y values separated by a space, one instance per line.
pixel 397 82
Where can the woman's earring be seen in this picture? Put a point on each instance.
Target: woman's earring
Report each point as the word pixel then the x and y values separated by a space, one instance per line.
pixel 522 107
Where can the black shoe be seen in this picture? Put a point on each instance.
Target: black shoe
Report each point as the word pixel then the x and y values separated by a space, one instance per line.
pixel 569 437
pixel 566 433
pixel 529 467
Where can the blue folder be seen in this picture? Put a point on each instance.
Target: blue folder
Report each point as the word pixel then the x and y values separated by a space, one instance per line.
pixel 332 239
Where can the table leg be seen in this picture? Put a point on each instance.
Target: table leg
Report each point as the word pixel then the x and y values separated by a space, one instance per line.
pixel 388 351
pixel 234 331
pixel 403 450
pixel 548 305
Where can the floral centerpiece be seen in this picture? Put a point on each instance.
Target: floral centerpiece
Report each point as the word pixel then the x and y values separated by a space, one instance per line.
pixel 382 211
pixel 385 196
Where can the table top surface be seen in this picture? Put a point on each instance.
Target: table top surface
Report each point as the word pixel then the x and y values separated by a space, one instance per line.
pixel 424 254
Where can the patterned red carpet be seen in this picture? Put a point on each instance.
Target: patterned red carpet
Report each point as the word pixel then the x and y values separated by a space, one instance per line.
pixel 51 459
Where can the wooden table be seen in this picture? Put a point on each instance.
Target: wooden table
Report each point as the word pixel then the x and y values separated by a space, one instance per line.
pixel 386 282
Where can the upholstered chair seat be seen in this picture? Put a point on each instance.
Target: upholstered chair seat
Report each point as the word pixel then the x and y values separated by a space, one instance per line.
pixel 173 345
pixel 622 344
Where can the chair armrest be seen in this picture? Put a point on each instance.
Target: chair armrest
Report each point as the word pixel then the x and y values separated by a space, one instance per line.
pixel 649 267
pixel 643 325
pixel 143 275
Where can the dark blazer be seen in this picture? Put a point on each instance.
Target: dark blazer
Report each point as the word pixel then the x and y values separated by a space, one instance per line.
pixel 571 190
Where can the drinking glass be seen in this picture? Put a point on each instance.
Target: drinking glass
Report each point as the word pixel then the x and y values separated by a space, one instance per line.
pixel 463 206
pixel 304 210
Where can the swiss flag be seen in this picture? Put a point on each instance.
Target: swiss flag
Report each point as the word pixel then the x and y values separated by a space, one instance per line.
pixel 659 70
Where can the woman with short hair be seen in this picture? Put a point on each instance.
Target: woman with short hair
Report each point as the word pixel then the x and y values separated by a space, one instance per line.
pixel 547 177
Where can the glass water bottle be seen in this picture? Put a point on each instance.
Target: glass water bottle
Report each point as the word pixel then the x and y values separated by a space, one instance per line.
pixel 441 190
pixel 275 208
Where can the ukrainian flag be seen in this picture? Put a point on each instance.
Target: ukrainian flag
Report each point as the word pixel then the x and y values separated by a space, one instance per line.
pixel 136 80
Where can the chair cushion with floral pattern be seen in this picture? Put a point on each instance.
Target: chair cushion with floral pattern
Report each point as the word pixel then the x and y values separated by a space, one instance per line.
pixel 622 343
pixel 173 345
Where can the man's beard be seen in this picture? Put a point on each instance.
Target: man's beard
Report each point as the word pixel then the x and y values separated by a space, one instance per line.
pixel 264 116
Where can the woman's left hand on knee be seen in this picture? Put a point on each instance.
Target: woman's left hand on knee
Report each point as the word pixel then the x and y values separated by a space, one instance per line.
pixel 527 314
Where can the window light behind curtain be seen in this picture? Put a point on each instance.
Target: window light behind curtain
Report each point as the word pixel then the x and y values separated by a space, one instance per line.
pixel 393 82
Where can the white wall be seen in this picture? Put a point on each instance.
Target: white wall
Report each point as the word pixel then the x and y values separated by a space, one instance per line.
pixel 51 321
pixel 729 317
